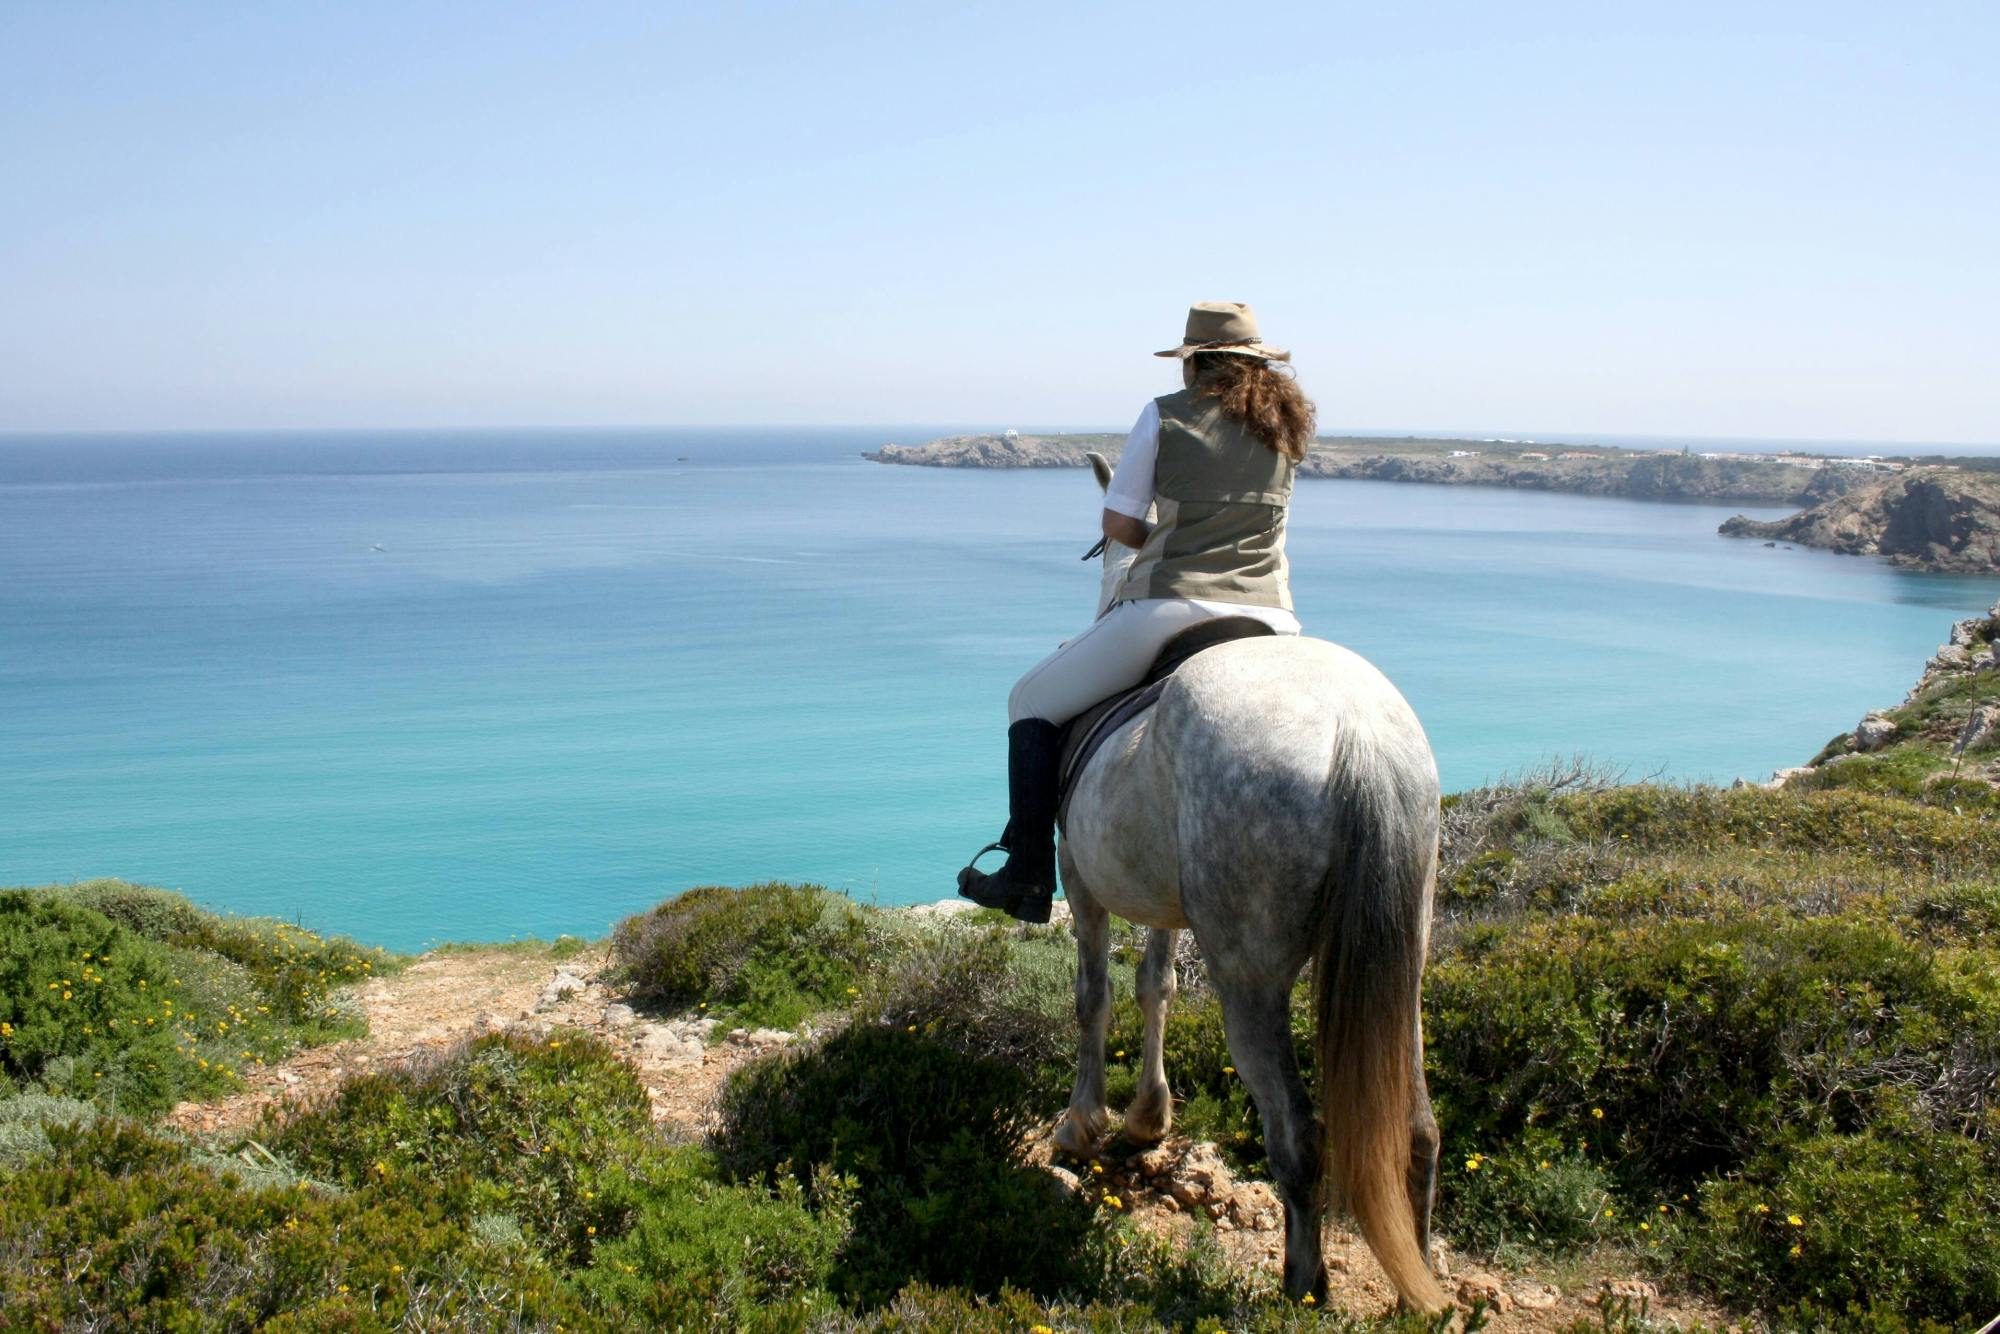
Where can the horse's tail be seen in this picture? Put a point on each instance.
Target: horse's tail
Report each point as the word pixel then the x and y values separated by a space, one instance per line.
pixel 1368 962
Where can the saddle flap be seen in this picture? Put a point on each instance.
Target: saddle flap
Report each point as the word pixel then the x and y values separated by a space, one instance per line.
pixel 1086 733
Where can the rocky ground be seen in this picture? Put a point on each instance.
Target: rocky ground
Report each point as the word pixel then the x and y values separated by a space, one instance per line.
pixel 1952 712
pixel 683 1061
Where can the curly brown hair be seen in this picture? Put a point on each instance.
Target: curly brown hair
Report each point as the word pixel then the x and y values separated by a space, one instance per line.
pixel 1262 395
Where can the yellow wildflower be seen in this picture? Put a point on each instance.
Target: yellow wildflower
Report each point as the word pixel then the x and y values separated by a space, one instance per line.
pixel 1597 1113
pixel 1114 1202
pixel 1795 1220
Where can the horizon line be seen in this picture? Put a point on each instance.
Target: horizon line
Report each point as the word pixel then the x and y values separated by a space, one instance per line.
pixel 1475 435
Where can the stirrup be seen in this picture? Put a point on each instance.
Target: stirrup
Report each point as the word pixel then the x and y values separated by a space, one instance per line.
pixel 1001 846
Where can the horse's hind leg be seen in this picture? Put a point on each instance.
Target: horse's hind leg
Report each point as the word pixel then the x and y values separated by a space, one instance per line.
pixel 1257 1018
pixel 1423 1149
pixel 1151 1114
pixel 1083 1124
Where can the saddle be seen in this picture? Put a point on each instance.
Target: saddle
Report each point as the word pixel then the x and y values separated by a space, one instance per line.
pixel 1086 733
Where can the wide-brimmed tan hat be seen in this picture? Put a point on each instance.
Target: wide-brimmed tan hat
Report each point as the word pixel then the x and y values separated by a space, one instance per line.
pixel 1224 326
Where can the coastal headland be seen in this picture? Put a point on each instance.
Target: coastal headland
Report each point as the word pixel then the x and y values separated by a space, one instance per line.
pixel 1923 513
pixel 1942 519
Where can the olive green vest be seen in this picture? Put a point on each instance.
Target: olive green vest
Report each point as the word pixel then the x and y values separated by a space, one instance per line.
pixel 1220 495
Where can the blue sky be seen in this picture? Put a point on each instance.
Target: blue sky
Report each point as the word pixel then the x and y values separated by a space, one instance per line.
pixel 1762 219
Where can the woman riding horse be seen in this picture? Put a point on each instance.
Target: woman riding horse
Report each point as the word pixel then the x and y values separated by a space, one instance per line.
pixel 1212 465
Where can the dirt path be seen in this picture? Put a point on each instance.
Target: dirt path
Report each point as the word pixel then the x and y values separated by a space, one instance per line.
pixel 446 997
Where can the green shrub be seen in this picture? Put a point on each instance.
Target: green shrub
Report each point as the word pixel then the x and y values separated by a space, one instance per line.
pixel 985 996
pixel 296 970
pixel 25 1120
pixel 115 1220
pixel 134 998
pixel 1896 833
pixel 536 1129
pixel 1845 1230
pixel 93 1011
pixel 1966 909
pixel 1533 1195
pixel 1676 1048
pixel 774 954
pixel 925 1103
pixel 702 1254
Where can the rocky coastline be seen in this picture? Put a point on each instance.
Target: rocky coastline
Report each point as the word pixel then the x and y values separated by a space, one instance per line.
pixel 1596 470
pixel 1946 730
pixel 1938 519
pixel 1918 514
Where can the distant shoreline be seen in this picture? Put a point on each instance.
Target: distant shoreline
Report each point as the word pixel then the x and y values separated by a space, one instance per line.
pixel 1920 512
pixel 1714 477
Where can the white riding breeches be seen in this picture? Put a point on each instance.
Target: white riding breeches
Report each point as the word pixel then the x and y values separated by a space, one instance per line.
pixel 1114 653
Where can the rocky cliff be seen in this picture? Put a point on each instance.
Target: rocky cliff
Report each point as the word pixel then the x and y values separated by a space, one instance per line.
pixel 1941 744
pixel 1596 470
pixel 1934 519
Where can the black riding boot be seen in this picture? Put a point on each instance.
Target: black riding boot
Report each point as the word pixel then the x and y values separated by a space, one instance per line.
pixel 1023 887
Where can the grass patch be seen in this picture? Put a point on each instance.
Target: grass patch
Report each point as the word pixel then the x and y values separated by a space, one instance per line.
pixel 559 950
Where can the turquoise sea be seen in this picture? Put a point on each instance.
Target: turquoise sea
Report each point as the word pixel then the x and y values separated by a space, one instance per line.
pixel 427 686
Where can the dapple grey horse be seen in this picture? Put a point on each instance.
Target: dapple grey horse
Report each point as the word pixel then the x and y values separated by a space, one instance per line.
pixel 1280 801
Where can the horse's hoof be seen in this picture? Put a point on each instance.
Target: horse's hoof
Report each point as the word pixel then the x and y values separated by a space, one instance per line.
pixel 1148 1119
pixel 1077 1136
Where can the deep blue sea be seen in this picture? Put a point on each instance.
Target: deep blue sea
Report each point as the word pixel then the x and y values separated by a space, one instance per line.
pixel 425 686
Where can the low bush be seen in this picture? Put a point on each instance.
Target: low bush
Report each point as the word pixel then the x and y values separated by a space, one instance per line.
pixel 772 954
pixel 548 1145
pixel 1677 1048
pixel 1894 832
pixel 537 1129
pixel 92 1011
pixel 25 1119
pixel 297 971
pixel 925 1103
pixel 1533 1196
pixel 115 1221
pixel 701 1254
pixel 1840 1231
pixel 134 998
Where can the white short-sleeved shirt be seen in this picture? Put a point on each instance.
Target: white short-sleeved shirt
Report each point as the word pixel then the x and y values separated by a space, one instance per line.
pixel 1131 489
pixel 1131 494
